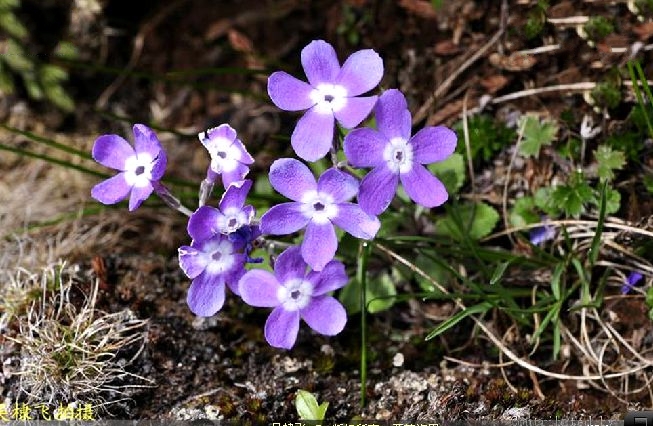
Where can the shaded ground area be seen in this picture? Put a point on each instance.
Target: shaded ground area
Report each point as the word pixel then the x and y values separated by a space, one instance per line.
pixel 188 65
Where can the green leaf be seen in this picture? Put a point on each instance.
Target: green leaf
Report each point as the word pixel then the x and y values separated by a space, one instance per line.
pixel 433 269
pixel 536 134
pixel 446 325
pixel 379 295
pixel 308 408
pixel 52 74
pixel 478 220
pixel 451 172
pixel 608 161
pixel 572 198
pixel 12 25
pixel 500 270
pixel 613 201
pixel 66 50
pixel 523 212
pixel 16 58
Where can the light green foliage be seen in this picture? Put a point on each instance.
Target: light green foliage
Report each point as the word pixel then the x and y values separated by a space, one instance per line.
pixel 308 408
pixel 42 80
pixel 536 134
pixel 469 220
pixel 574 198
pixel 380 293
pixel 433 269
pixel 523 212
pixel 608 161
pixel 451 172
pixel 486 136
pixel 607 94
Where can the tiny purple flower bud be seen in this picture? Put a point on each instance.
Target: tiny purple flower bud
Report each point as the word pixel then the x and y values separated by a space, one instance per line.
pixel 631 281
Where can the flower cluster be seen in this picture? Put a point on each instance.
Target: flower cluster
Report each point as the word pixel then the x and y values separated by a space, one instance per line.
pixel 223 237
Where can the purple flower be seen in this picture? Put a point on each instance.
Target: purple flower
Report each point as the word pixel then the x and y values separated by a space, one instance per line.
pixel 541 234
pixel 229 157
pixel 395 156
pixel 295 294
pixel 316 206
pixel 211 264
pixel 632 280
pixel 229 217
pixel 331 92
pixel 141 167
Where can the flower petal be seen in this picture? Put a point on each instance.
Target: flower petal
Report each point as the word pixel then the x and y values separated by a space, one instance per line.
pixel 112 151
pixel 364 147
pixel 313 135
pixel 159 167
pixel 245 156
pixel 235 195
pixel 206 294
pixel 320 62
pixel 145 140
pixel 233 279
pixel 192 261
pixel 340 185
pixel 292 178
pixel 281 328
pixel 259 288
pixel 290 264
pixel 235 175
pixel 203 224
pixel 289 93
pixel 138 195
pixel 392 115
pixel 354 111
pixel 361 72
pixel 112 190
pixel 283 219
pixel 332 277
pixel 319 245
pixel 354 220
pixel 433 144
pixel 325 315
pixel 377 190
pixel 423 188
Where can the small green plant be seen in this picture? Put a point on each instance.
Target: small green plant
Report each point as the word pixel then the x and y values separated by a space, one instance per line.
pixel 536 20
pixel 308 408
pixel 536 133
pixel 487 136
pixel 598 27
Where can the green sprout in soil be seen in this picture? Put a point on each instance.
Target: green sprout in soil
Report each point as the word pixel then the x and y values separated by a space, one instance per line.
pixel 308 408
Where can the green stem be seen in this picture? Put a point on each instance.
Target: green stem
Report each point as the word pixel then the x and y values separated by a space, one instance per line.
pixel 361 275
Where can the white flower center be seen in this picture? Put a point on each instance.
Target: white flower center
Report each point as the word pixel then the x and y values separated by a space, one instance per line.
pixel 398 154
pixel 233 219
pixel 138 169
pixel 224 154
pixel 221 257
pixel 319 207
pixel 329 98
pixel 295 294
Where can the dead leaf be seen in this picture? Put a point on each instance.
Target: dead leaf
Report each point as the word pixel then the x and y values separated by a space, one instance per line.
pixel 446 48
pixel 494 83
pixel 423 9
pixel 514 62
pixel 240 42
pixel 644 31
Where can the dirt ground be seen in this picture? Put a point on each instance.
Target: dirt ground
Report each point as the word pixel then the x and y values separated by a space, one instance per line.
pixel 158 61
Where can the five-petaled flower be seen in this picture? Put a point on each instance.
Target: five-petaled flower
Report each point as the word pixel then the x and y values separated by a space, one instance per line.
pixel 141 167
pixel 211 264
pixel 331 92
pixel 229 158
pixel 231 215
pixel 316 206
pixel 295 294
pixel 396 156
